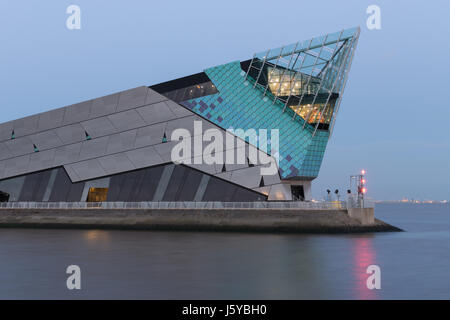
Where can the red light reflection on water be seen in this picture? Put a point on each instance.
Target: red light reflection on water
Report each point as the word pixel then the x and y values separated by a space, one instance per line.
pixel 363 256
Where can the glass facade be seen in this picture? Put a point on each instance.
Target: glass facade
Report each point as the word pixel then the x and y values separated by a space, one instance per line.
pixel 191 92
pixel 296 89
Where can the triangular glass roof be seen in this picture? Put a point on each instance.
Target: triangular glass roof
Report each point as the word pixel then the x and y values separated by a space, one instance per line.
pixel 307 77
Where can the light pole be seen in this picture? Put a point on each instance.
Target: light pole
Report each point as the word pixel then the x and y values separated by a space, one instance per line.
pixel 360 182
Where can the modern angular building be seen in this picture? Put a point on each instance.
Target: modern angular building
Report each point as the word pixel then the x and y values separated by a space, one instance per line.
pixel 118 147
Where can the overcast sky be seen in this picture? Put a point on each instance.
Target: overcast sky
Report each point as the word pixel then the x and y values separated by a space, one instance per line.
pixel 395 115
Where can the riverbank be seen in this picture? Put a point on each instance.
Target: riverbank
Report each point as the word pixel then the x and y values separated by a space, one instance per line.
pixel 221 220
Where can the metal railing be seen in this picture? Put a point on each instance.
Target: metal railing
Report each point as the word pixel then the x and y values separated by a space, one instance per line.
pixel 336 205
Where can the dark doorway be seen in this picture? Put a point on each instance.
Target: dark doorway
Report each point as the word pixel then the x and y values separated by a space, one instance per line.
pixel 4 197
pixel 298 194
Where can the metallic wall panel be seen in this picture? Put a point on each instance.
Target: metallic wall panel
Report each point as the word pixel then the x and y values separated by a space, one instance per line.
pixel 71 134
pixel 77 112
pixel 98 127
pixel 248 177
pixel 188 189
pixel 176 182
pixel 104 105
pixel 126 120
pixel 50 185
pixel 26 126
pixel 20 146
pixel 150 135
pixel 153 97
pixel 51 119
pixel 93 148
pixel 6 130
pixel 46 140
pixel 17 166
pixel 42 160
pixel 88 169
pixel 116 163
pixel 132 98
pixel 4 151
pixel 219 190
pixel 67 154
pixel 149 183
pixel 164 182
pixel 177 109
pixel 202 187
pixel 127 132
pixel 64 189
pixel 156 113
pixel 121 142
pixel 35 186
pixel 144 157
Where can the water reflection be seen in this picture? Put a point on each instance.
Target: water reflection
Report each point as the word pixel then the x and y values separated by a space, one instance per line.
pixel 96 236
pixel 363 256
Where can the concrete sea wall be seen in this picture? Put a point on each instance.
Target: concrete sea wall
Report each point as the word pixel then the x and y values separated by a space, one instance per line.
pixel 238 220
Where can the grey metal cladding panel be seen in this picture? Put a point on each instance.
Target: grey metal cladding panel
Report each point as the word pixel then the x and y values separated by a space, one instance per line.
pixel 178 110
pixel 185 123
pixel 71 134
pixel 126 120
pixel 77 112
pixel 89 169
pixel 42 160
pixel 20 146
pixel 104 106
pixel 67 154
pixel 144 157
pixel 116 163
pixel 17 166
pixel 93 148
pixel 207 168
pixel 249 177
pixel 98 127
pixel 34 186
pixel 132 98
pixel 2 170
pixel 51 119
pixel 121 142
pixel 73 176
pixel 272 179
pixel 47 139
pixel 26 126
pixel 154 97
pixel 4 151
pixel 6 130
pixel 219 190
pixel 150 135
pixel 165 150
pixel 158 112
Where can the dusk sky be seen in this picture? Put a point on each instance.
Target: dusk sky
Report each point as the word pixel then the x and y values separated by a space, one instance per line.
pixel 394 119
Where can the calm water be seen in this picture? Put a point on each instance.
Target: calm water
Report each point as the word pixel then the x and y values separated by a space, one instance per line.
pixel 162 265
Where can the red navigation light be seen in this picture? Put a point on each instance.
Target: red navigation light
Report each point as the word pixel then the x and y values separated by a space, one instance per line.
pixel 363 172
pixel 364 190
pixel 363 181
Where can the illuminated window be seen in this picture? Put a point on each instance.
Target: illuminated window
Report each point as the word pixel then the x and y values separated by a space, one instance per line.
pixel 97 195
